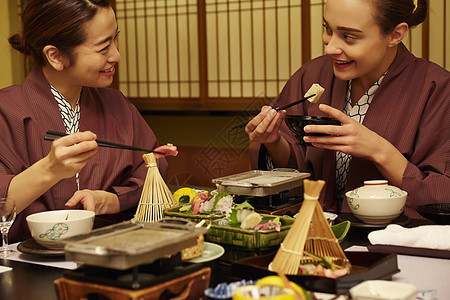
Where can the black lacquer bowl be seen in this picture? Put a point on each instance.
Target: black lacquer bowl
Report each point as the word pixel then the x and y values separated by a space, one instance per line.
pixel 438 212
pixel 296 123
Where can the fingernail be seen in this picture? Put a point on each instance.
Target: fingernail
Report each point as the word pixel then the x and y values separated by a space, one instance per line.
pixel 307 128
pixel 273 112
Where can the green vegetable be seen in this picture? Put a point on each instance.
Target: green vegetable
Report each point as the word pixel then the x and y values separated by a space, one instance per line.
pixel 324 260
pixel 185 207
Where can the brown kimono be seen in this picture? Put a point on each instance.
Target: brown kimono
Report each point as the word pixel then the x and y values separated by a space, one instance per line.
pixel 28 110
pixel 410 109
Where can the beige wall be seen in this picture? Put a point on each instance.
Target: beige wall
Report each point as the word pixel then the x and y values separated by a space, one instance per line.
pixel 11 65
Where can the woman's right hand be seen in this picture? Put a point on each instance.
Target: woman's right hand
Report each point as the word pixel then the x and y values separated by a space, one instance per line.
pixel 265 127
pixel 70 153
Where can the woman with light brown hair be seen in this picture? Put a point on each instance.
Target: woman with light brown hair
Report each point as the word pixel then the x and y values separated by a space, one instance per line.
pixel 393 108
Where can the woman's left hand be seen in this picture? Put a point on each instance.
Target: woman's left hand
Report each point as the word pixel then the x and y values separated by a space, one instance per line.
pixel 351 137
pixel 100 202
pixel 357 140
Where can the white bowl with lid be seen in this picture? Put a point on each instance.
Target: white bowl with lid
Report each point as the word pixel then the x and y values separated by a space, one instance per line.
pixel 376 202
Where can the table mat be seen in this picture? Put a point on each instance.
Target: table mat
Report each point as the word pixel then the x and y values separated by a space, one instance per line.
pixel 415 251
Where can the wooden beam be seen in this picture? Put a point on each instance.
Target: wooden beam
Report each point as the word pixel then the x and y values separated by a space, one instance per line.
pixel 306 30
pixel 202 52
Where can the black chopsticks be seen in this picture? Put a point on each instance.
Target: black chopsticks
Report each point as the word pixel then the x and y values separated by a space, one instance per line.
pixel 243 124
pixel 100 143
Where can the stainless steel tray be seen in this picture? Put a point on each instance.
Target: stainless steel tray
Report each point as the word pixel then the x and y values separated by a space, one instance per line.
pixel 131 244
pixel 261 183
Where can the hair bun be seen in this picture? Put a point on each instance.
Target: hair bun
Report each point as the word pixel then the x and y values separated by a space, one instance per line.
pixel 419 13
pixel 17 41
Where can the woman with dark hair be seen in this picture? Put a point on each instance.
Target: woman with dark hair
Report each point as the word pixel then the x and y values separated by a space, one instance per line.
pixel 393 109
pixel 73 44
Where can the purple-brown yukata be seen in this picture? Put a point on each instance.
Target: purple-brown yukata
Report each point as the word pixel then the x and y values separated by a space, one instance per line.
pixel 410 109
pixel 28 110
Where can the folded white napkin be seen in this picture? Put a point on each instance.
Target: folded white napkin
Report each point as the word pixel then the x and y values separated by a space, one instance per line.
pixel 427 236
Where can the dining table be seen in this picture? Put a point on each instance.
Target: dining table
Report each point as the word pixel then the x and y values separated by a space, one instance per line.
pixel 28 276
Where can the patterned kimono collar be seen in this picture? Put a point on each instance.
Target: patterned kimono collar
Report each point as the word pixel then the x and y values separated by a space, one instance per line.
pixel 71 117
pixel 358 111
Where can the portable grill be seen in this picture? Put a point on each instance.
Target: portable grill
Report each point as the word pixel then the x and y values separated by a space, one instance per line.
pixel 134 259
pixel 271 192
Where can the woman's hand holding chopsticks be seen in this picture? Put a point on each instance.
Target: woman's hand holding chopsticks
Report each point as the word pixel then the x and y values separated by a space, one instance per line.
pixel 53 135
pixel 265 129
pixel 70 153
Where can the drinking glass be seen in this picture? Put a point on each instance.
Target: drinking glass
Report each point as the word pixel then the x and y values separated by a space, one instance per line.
pixel 7 217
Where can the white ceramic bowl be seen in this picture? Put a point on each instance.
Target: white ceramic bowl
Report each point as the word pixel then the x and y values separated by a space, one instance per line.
pixel 376 202
pixel 48 228
pixel 383 290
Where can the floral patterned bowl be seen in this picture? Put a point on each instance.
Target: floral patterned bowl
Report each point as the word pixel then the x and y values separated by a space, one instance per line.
pixel 376 202
pixel 48 228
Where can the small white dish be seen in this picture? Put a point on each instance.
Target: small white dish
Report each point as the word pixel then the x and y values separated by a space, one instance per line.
pixel 330 217
pixel 49 228
pixel 383 290
pixel 211 251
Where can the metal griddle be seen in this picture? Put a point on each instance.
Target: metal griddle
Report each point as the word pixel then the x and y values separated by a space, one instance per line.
pixel 262 183
pixel 130 244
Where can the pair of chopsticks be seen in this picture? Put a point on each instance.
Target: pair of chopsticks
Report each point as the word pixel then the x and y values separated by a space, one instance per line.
pixel 55 134
pixel 243 124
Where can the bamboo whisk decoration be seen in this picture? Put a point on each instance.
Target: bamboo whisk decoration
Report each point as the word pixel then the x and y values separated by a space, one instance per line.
pixel 156 196
pixel 322 241
pixel 310 232
pixel 287 259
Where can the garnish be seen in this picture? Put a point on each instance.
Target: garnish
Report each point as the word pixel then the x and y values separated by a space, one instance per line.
pixel 233 216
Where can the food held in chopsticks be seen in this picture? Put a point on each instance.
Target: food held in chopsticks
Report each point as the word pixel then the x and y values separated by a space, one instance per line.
pixel 312 95
pixel 310 240
pixel 315 90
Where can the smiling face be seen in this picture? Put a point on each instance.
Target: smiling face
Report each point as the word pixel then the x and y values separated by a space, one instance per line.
pixel 354 41
pixel 95 59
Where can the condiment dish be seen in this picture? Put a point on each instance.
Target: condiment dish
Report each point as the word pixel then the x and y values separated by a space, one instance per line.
pixel 383 290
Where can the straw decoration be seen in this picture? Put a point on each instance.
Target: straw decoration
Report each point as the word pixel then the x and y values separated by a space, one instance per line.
pixel 321 239
pixel 156 196
pixel 310 235
pixel 288 256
